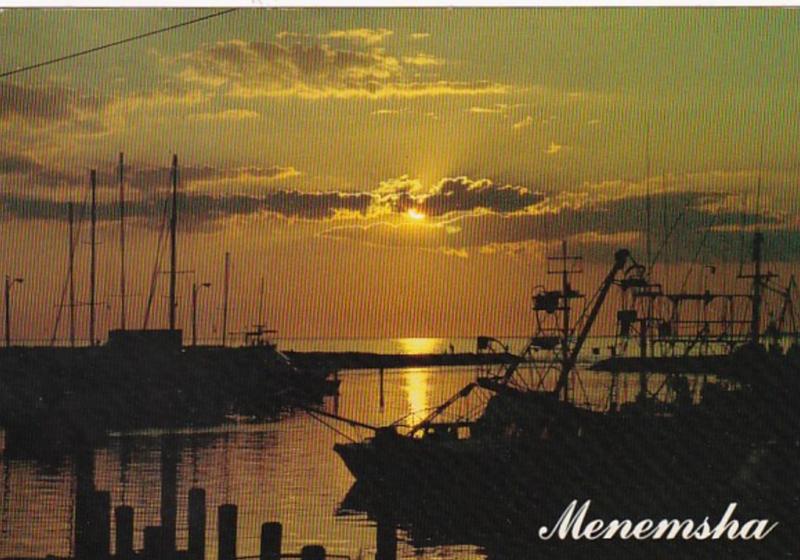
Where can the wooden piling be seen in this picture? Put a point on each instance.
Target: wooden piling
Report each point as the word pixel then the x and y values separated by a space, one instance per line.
pixel 101 524
pixel 313 552
pixel 386 537
pixel 380 376
pixel 84 492
pixel 271 537
pixel 153 543
pixel 169 491
pixel 197 524
pixel 123 543
pixel 226 531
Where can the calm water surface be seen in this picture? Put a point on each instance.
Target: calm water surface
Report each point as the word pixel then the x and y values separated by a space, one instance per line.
pixel 281 471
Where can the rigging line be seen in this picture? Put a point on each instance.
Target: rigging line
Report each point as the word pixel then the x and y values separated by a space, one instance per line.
pixel 114 43
pixel 76 237
pixel 327 425
pixel 154 276
pixel 668 234
pixel 699 250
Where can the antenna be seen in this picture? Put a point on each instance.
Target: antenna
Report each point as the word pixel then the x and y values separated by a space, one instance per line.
pixel 760 171
pixel 93 258
pixel 225 298
pixel 261 304
pixel 122 240
pixel 173 255
pixel 71 218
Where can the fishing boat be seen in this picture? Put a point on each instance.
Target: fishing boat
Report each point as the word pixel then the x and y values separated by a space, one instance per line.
pixel 685 441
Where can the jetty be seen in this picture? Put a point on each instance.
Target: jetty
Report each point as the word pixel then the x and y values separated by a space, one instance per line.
pixel 371 360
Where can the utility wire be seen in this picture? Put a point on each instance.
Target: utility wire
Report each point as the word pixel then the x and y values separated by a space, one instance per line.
pixel 115 43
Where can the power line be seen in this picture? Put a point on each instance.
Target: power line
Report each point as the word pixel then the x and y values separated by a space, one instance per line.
pixel 115 43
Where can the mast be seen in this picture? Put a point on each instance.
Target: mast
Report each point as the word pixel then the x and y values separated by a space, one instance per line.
pixel 571 358
pixel 225 298
pixel 755 319
pixel 647 202
pixel 261 305
pixel 560 302
pixel 71 220
pixel 173 257
pixel 649 249
pixel 93 258
pixel 122 241
pixel 565 292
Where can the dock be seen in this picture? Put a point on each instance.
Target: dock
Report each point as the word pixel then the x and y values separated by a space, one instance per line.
pixel 371 360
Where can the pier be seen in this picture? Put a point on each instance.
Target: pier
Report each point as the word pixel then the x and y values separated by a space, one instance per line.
pixel 371 360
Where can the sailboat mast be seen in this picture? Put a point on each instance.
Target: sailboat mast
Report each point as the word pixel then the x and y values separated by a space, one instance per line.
pixel 122 241
pixel 261 305
pixel 225 298
pixel 93 258
pixel 173 257
pixel 647 201
pixel 71 220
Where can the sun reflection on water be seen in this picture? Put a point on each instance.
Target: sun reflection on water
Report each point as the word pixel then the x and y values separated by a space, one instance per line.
pixel 416 381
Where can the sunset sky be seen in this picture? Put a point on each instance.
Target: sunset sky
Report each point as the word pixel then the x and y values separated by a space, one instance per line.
pixel 394 172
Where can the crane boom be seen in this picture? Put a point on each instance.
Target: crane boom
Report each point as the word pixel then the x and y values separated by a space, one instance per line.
pixel 620 258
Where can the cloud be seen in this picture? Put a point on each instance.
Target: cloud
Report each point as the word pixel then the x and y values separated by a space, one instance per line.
pixel 524 123
pixel 457 194
pixel 208 178
pixel 365 35
pixel 45 104
pixel 496 110
pixel 226 115
pixel 422 59
pixel 554 148
pixel 198 210
pixel 312 71
pixel 704 221
pixel 211 193
pixel 22 170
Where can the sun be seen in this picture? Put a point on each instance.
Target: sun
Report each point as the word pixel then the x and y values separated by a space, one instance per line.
pixel 415 214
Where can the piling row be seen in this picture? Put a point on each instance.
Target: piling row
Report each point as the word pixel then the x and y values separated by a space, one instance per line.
pixel 93 533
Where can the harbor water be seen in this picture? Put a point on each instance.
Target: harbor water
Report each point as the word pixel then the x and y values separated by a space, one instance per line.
pixel 284 471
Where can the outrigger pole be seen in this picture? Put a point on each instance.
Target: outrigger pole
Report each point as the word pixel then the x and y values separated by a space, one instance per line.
pixel 173 256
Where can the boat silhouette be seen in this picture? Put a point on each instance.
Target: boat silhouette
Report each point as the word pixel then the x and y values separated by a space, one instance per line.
pixel 698 444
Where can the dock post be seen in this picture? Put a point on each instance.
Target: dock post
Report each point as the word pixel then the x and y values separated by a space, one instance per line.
pixel 313 552
pixel 197 524
pixel 380 375
pixel 226 530
pixel 84 492
pixel 123 544
pixel 169 491
pixel 153 543
pixel 271 537
pixel 386 537
pixel 101 524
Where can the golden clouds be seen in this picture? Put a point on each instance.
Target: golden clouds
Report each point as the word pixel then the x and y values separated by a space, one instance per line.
pixel 422 59
pixel 226 115
pixel 318 70
pixel 366 35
